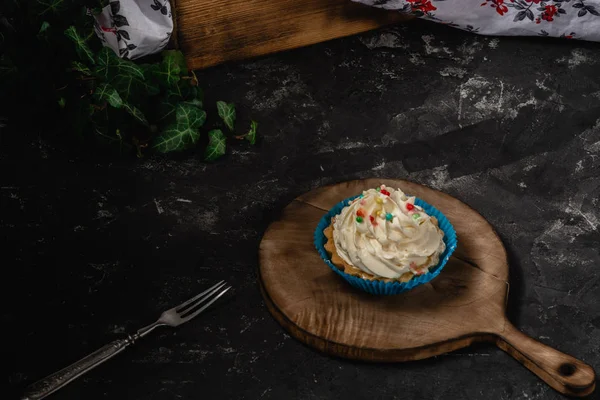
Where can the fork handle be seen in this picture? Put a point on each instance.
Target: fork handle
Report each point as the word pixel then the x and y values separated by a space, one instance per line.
pixel 52 383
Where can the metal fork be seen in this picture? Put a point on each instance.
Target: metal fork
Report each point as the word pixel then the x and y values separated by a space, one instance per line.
pixel 172 317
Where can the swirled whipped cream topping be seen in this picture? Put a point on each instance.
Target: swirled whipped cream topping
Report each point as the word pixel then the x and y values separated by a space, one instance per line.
pixel 383 233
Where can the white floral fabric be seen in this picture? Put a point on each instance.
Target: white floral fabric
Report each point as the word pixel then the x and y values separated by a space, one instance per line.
pixel 570 19
pixel 135 28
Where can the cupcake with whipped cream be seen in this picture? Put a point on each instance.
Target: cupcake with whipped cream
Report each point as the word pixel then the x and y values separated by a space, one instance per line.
pixel 384 241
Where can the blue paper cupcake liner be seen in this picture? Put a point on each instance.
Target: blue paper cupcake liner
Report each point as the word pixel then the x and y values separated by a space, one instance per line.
pixel 388 288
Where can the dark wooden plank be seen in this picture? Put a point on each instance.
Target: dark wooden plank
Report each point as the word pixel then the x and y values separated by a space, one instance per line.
pixel 213 32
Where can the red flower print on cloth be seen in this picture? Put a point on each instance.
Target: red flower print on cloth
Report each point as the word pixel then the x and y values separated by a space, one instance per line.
pixel 499 5
pixel 423 6
pixel 549 9
pixel 549 13
pixel 105 29
pixel 569 19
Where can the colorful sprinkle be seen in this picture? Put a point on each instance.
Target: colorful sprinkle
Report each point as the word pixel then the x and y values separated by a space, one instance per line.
pixel 410 207
pixel 361 196
pixel 378 213
pixel 378 189
pixel 416 270
pixel 363 202
pixel 379 200
pixel 360 212
pixel 416 216
pixel 372 218
pixel 359 219
pixel 389 216
pixel 383 191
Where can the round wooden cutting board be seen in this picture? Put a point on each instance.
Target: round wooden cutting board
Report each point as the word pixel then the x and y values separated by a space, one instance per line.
pixel 466 303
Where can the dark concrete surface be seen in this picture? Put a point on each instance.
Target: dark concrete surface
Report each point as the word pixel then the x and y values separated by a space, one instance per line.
pixel 94 247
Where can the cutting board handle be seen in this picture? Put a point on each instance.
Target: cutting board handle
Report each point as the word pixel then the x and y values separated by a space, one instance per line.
pixel 564 373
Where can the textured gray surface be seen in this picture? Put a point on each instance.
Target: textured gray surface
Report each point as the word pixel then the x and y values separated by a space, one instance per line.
pixel 509 126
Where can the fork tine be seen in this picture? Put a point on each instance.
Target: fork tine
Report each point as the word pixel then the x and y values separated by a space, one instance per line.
pixel 204 307
pixel 193 299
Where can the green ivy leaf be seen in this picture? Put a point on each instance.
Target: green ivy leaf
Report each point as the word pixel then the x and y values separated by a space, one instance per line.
pixel 136 113
pixel 105 92
pixel 185 130
pixel 216 145
pixel 166 109
pixel 184 90
pixel 126 76
pixel 251 135
pixel 178 58
pixel 146 87
pixel 183 93
pixel 82 68
pixel 50 6
pixel 44 27
pixel 111 66
pixel 194 102
pixel 168 73
pixel 227 113
pixel 81 46
pixel 196 94
pixel 130 86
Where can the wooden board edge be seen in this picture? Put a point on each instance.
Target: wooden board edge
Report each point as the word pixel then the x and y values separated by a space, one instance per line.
pixel 380 18
pixel 175 35
pixel 507 341
pixel 369 354
pixel 201 63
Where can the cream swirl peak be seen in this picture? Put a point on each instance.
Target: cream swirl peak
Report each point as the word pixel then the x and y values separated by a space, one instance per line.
pixel 383 233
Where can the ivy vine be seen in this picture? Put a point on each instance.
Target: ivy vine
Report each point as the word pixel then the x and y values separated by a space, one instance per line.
pixel 55 74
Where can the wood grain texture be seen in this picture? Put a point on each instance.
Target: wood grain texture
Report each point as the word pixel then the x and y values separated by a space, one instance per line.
pixel 213 32
pixel 466 303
